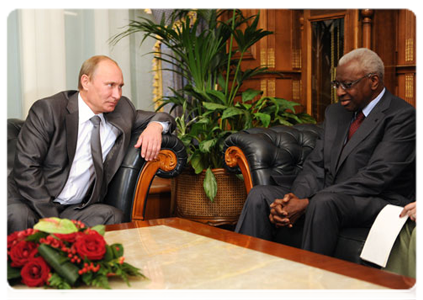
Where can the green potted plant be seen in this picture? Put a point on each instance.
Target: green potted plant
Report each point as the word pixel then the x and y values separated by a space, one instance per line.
pixel 214 104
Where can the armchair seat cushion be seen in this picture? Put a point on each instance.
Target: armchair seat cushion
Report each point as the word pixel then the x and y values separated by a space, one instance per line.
pixel 350 244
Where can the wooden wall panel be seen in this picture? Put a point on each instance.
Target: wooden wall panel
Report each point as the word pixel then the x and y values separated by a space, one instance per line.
pixel 391 33
pixel 406 50
pixel 384 42
pixel 284 39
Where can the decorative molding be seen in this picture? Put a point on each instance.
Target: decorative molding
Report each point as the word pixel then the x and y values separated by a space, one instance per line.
pixel 234 157
pixel 409 88
pixel 409 35
pixel 409 50
pixel 263 57
pixel 157 77
pixel 296 90
pixel 296 58
pixel 167 161
pixel 271 87
pixel 271 58
pixel 367 15
pixel 263 86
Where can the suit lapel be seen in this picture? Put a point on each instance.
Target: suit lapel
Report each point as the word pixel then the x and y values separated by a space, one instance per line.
pixel 116 154
pixel 72 126
pixel 367 127
pixel 344 120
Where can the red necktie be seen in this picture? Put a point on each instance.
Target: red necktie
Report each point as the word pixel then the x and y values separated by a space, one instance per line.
pixel 355 124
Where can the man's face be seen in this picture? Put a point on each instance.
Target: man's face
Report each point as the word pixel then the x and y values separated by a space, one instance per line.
pixel 359 94
pixel 103 89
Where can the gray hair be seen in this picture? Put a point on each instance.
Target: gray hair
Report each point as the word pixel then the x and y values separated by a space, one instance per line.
pixel 369 61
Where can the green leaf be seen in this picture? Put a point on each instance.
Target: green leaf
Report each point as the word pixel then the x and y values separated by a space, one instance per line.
pixel 264 119
pixel 250 94
pixel 232 111
pixel 108 256
pixel 205 146
pixel 58 282
pixel 63 267
pixel 131 270
pixel 213 106
pixel 100 281
pixel 117 250
pixel 101 229
pixel 196 162
pixel 56 225
pixel 218 94
pixel 13 273
pixel 36 236
pixel 210 185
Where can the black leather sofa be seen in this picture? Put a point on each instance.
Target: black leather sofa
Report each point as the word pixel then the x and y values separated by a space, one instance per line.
pixel 129 188
pixel 281 150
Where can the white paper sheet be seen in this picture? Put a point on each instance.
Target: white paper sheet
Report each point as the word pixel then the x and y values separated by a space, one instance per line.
pixel 383 234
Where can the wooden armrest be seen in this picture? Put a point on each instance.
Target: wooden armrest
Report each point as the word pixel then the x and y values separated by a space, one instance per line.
pixel 235 157
pixel 166 161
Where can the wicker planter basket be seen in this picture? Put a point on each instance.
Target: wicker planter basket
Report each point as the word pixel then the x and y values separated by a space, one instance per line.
pixel 192 203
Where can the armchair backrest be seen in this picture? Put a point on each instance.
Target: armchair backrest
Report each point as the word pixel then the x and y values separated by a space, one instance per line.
pixel 278 150
pixel 13 128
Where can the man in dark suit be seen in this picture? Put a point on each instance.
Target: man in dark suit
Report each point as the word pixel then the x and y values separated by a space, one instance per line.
pixel 54 173
pixel 349 177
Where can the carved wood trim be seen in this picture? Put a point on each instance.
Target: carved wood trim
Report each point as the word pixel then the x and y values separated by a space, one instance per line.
pixel 235 157
pixel 166 161
pixel 367 15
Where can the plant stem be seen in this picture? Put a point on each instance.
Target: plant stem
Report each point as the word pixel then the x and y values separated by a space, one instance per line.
pixel 233 90
pixel 230 54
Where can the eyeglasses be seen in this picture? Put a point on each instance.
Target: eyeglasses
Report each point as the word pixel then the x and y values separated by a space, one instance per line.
pixel 348 85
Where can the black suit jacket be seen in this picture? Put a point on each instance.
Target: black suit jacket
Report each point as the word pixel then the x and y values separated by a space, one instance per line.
pixel 378 161
pixel 47 143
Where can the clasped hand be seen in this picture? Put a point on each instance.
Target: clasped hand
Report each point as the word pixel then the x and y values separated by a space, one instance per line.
pixel 286 211
pixel 150 141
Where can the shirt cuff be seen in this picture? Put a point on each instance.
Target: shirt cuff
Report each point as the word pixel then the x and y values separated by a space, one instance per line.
pixel 165 126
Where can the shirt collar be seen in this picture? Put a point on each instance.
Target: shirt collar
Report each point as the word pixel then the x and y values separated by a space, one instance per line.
pixel 372 104
pixel 85 112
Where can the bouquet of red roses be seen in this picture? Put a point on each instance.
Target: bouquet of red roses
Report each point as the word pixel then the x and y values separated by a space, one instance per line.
pixel 61 253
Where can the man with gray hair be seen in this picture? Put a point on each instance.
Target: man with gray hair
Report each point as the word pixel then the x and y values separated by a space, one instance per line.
pixel 364 160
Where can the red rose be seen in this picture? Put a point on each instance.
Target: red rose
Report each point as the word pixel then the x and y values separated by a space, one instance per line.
pixel 22 252
pixel 12 239
pixel 70 237
pixel 91 245
pixel 27 232
pixel 35 272
pixel 17 236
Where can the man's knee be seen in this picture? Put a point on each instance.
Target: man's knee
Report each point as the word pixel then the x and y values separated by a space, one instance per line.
pixel 20 217
pixel 117 216
pixel 324 200
pixel 255 196
pixel 95 214
pixel 263 195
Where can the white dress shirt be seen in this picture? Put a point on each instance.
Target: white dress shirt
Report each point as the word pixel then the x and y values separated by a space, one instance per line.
pixel 82 171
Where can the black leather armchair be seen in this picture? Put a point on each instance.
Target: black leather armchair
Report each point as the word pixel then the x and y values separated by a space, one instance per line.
pixel 129 188
pixel 281 150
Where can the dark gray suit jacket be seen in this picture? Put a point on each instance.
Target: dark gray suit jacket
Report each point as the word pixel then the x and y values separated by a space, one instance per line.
pixel 47 143
pixel 378 161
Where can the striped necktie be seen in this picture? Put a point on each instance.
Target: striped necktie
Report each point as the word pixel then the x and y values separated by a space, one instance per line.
pixel 97 155
pixel 355 124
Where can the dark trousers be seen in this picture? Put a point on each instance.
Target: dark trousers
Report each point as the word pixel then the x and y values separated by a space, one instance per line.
pixel 20 216
pixel 318 229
